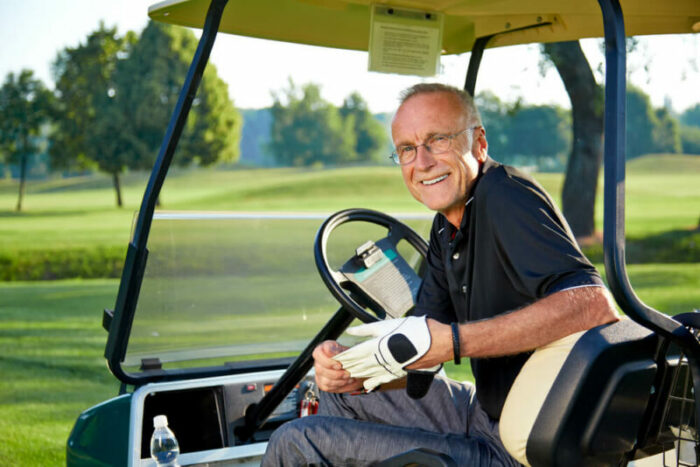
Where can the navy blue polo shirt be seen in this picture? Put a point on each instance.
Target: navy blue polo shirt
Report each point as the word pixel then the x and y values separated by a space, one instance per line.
pixel 512 248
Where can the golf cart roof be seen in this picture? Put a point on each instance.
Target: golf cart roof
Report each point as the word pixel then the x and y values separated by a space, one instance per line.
pixel 345 24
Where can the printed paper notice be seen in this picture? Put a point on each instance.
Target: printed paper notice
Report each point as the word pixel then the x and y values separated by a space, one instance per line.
pixel 405 42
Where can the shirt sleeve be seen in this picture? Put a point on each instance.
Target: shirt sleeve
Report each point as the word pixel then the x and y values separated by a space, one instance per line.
pixel 534 242
pixel 434 297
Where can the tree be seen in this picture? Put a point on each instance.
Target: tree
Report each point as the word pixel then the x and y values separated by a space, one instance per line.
pixel 117 121
pixel 25 105
pixel 691 116
pixel 583 167
pixel 690 130
pixel 523 134
pixel 161 59
pixel 114 145
pixel 666 133
pixel 255 136
pixel 690 139
pixel 640 124
pixel 371 138
pixel 307 130
pixel 496 120
pixel 538 132
pixel 84 84
pixel 648 130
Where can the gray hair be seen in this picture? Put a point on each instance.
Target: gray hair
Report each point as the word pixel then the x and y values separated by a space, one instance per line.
pixel 470 110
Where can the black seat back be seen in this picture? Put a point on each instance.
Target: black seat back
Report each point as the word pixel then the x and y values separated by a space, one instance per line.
pixel 593 412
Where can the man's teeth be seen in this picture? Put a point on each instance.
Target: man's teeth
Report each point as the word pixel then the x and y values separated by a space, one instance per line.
pixel 434 181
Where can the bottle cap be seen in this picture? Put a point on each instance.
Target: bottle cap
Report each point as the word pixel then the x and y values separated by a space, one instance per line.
pixel 160 421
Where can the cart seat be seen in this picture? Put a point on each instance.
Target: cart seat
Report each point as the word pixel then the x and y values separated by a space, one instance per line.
pixel 600 384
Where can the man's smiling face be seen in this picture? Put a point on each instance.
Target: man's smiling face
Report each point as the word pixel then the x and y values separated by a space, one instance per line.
pixel 439 181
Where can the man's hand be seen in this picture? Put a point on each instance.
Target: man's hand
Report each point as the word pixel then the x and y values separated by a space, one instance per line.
pixel 395 344
pixel 330 376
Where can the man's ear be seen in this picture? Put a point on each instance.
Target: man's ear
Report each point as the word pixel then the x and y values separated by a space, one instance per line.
pixel 480 143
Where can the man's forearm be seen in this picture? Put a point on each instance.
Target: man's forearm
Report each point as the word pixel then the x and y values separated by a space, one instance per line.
pixel 544 321
pixel 528 328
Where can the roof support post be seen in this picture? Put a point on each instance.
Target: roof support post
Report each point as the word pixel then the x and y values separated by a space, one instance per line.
pixel 614 157
pixel 474 62
pixel 137 253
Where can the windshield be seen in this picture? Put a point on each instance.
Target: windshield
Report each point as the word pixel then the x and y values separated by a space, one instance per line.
pixel 228 288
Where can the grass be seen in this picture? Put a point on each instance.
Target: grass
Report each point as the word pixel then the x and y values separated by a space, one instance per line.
pixel 70 227
pixel 52 345
pixel 662 195
pixel 81 211
pixel 51 340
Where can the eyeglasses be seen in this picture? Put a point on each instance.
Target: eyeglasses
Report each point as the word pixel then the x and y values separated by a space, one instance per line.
pixel 436 144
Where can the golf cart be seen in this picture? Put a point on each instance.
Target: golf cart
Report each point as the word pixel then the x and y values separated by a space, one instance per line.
pixel 191 335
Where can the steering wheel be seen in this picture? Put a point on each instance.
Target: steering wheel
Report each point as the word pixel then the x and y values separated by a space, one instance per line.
pixel 336 281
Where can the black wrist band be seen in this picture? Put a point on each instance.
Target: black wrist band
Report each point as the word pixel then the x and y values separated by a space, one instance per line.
pixel 455 343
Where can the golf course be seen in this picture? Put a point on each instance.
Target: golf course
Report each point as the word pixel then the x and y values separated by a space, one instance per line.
pixel 61 257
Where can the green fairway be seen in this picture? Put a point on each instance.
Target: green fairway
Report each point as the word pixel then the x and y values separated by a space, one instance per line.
pixel 662 195
pixel 51 346
pixel 52 342
pixel 80 212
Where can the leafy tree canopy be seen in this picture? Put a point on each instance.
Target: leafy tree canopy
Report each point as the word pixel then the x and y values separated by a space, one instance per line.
pixel 25 105
pixel 369 132
pixel 307 130
pixel 648 130
pixel 667 135
pixel 117 95
pixel 160 59
pixel 494 116
pixel 539 131
pixel 691 116
pixel 690 139
pixel 520 133
pixel 84 79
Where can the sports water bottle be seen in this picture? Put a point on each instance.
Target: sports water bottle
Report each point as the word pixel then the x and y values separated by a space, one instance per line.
pixel 164 447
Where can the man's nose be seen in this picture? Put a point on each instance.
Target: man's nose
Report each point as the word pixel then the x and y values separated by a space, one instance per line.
pixel 424 158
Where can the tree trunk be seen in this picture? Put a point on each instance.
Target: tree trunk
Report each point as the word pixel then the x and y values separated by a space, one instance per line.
pixel 583 167
pixel 22 179
pixel 117 188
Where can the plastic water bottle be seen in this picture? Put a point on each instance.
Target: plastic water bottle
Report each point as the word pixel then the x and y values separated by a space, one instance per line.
pixel 164 447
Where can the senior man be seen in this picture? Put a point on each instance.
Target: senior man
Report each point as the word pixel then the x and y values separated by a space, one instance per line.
pixel 505 277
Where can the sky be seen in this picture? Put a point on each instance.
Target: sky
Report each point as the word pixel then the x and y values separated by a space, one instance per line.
pixel 33 31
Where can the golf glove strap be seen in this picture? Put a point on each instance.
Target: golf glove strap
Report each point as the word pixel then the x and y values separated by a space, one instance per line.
pixel 395 344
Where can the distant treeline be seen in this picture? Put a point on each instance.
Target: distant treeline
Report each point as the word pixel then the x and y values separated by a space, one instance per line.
pixel 521 134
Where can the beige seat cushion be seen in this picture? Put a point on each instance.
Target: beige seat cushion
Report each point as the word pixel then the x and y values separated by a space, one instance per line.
pixel 529 392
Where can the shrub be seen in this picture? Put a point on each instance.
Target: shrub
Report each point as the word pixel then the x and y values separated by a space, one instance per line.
pixel 50 264
pixel 690 139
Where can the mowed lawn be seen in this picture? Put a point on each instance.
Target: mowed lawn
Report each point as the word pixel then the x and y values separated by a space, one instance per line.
pixel 52 345
pixel 662 194
pixel 51 339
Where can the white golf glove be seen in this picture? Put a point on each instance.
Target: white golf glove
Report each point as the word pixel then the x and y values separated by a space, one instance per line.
pixel 395 344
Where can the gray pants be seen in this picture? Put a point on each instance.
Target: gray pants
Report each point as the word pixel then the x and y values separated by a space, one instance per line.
pixel 367 428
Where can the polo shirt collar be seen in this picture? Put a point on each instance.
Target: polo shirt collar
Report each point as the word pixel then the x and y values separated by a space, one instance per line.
pixel 449 229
